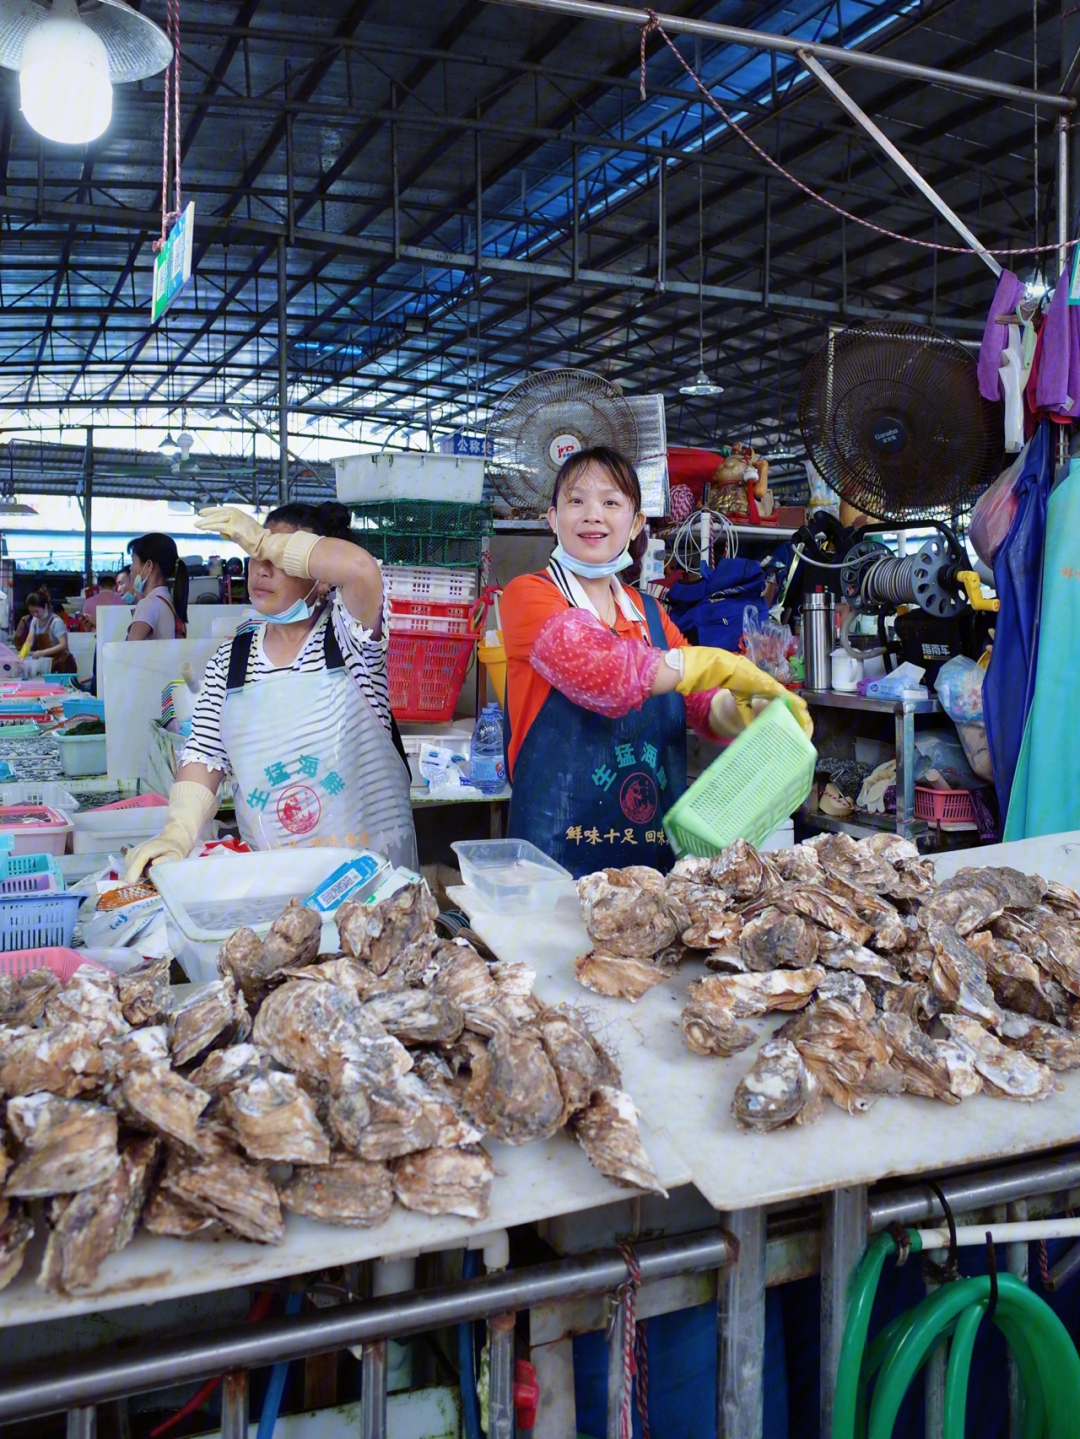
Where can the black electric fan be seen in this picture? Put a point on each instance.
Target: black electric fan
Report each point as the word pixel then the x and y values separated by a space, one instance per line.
pixel 892 417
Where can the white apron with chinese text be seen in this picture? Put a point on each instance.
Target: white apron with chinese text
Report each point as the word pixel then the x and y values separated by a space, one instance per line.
pixel 313 763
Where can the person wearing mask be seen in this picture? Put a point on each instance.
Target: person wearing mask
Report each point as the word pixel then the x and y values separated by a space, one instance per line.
pixel 47 635
pixel 601 684
pixel 296 708
pixel 123 585
pixel 159 580
pixel 106 595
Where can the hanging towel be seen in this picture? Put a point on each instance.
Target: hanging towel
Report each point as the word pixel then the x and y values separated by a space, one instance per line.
pixel 1052 392
pixel 1046 789
pixel 1006 298
pixel 1010 678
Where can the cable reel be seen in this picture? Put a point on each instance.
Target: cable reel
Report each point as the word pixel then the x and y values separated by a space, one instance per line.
pixel 873 578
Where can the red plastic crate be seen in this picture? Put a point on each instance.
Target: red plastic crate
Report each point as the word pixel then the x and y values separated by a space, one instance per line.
pixel 426 673
pixel 943 806
pixel 429 617
pixel 59 958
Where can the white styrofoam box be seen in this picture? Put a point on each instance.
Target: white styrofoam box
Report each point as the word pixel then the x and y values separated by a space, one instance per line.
pixel 82 646
pixel 782 838
pixel 135 675
pixel 207 622
pixel 412 475
pixel 207 899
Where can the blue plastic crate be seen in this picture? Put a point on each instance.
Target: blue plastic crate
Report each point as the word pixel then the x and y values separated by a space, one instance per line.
pixel 23 707
pixel 35 921
pixel 84 705
pixel 30 874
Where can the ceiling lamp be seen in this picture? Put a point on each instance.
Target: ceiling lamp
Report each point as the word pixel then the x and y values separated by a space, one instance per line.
pixel 16 507
pixel 68 62
pixel 168 445
pixel 701 384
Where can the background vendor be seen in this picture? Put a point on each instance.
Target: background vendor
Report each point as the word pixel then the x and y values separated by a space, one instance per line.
pixel 46 635
pixel 159 581
pixel 296 709
pixel 601 684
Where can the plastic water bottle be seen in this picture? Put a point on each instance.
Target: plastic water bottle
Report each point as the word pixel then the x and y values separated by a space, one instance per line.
pixel 487 771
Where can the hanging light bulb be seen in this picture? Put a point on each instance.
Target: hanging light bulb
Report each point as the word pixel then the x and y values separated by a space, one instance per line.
pixel 701 384
pixel 168 445
pixel 64 84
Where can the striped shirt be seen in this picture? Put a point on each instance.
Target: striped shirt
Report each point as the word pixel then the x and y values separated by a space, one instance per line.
pixel 365 660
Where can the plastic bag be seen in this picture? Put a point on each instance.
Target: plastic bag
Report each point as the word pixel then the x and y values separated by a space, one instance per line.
pixel 994 512
pixel 940 752
pixel 768 645
pixel 977 749
pixel 959 688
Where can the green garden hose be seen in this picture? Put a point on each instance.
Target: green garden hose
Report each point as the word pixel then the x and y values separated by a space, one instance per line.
pixel 1045 1355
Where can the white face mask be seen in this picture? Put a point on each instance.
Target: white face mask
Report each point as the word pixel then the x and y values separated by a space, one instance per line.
pixel 586 571
pixel 301 610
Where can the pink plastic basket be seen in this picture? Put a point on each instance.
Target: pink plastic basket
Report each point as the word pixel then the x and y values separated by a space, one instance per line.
pixel 63 962
pixel 137 801
pixel 35 828
pixel 944 806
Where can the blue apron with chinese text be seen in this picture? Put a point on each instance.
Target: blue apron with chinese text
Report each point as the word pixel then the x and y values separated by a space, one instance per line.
pixel 592 792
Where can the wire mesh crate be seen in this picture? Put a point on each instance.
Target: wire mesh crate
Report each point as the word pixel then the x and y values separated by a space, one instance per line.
pixel 423 532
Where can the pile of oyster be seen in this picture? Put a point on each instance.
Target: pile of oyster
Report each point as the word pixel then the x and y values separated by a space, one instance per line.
pixel 329 1086
pixel 896 984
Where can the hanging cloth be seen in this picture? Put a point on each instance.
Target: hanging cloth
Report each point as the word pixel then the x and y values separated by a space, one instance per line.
pixel 1010 678
pixel 313 762
pixel 591 791
pixel 1046 789
pixel 995 337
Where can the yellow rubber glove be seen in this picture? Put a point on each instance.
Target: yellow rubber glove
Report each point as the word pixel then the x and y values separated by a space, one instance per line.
pixel 190 807
pixel 704 668
pixel 288 552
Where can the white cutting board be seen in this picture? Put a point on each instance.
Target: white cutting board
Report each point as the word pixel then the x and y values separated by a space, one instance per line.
pixel 686 1098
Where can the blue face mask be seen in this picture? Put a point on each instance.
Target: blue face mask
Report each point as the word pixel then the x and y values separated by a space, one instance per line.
pixel 583 569
pixel 297 612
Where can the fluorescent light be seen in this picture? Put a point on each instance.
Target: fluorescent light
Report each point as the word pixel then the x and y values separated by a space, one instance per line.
pixel 64 85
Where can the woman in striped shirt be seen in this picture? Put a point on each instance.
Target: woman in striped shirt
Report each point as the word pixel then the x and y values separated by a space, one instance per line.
pixel 295 709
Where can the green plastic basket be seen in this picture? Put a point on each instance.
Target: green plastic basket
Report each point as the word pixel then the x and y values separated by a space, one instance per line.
pixel 423 532
pixel 748 791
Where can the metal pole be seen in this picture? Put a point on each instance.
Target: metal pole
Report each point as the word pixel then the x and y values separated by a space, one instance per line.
pixel 1017 1263
pixel 88 506
pixel 1063 235
pixel 373 1391
pixel 575 219
pixel 283 372
pixel 501 1418
pixel 234 1405
pixel 661 223
pixel 394 174
pixel 786 44
pixel 82 1423
pixel 934 1394
pixel 968 1192
pixel 160 1365
pixel 741 1332
pixel 843 1238
pixel 837 91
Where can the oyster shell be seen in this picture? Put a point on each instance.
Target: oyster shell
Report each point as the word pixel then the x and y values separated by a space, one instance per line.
pixel 275 1120
pixel 712 1029
pixel 140 1049
pixel 67 1145
pixel 225 1187
pixel 849 1057
pixel 853 860
pixel 798 865
pixel 742 872
pixel 24 999
pixel 1057 1048
pixel 1017 981
pixel 401 1121
pixel 889 930
pixel 224 1070
pixel 169 1218
pixel 143 992
pixel 607 1130
pixel 513 1093
pixel 463 976
pixel 160 1100
pixel 1062 900
pixel 348 1191
pixel 777 1089
pixel 238 959
pixel 836 952
pixel 1007 1073
pixel 692 903
pixel 827 910
pixel 580 1062
pixel 747 995
pixel 88 998
pixel 445 1181
pixel 64 1059
pixel 931 1068
pixel 349 1111
pixel 775 938
pixel 918 1001
pixel 892 848
pixel 1062 941
pixel 302 1024
pixel 355 978
pixel 618 975
pixel 16 1232
pixel 85 1228
pixel 622 917
pixel 959 977
pixel 417 1016
pixel 292 939
pixel 851 990
pixel 961 908
pixel 209 1017
pixel 1012 889
pixel 399 929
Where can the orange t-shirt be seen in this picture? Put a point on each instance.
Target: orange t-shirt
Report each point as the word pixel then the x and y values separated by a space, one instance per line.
pixel 526 606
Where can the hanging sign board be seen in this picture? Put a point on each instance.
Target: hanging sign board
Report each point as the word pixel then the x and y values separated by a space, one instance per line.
pixel 172 266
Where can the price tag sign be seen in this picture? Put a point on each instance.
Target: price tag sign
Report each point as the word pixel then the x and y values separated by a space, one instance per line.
pixel 172 266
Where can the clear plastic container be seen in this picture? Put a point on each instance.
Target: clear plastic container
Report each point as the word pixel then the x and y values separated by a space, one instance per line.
pixel 513 876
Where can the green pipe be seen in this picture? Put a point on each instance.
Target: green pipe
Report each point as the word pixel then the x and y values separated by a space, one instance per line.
pixel 1046 1359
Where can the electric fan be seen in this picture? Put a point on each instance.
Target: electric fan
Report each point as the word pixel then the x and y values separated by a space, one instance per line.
pixel 543 420
pixel 892 417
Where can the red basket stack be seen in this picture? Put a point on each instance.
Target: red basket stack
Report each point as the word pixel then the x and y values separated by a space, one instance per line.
pixel 431 648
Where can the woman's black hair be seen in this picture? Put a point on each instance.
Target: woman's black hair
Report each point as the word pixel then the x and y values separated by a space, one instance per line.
pixel 331 520
pixel 161 550
pixel 623 476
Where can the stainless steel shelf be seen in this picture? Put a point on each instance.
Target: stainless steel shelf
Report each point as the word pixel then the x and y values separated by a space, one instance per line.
pixel 834 699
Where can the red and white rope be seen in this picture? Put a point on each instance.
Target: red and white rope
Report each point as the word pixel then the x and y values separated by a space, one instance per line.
pixel 635 1362
pixel 171 122
pixel 653 25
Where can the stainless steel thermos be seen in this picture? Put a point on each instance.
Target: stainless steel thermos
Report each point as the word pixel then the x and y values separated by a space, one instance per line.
pixel 817 638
